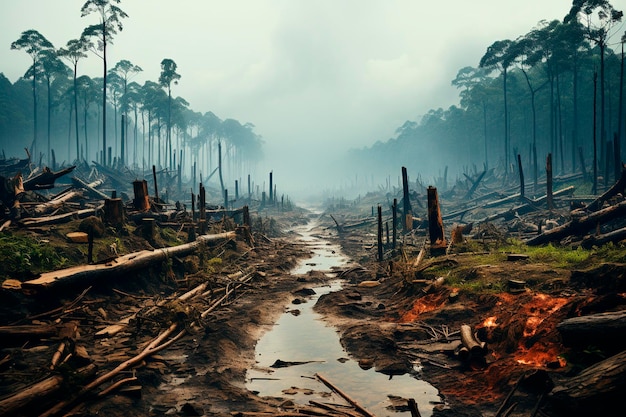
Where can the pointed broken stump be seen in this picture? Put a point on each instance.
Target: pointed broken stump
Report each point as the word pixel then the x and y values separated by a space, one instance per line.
pixel 438 242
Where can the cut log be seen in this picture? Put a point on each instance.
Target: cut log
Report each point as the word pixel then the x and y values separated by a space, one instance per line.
pixel 603 329
pixel 617 188
pixel 62 198
pixel 121 265
pixel 468 339
pixel 90 188
pixel 598 390
pixel 579 225
pixel 38 392
pixel 60 218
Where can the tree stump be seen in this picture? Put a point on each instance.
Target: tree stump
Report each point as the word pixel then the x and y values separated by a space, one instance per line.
pixel 141 201
pixel 113 211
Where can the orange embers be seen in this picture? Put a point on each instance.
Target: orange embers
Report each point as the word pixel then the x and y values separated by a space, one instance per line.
pixel 423 305
pixel 490 322
pixel 536 342
pixel 543 351
pixel 540 307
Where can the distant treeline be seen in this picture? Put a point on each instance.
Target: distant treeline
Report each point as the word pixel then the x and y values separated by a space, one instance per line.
pixel 61 115
pixel 530 96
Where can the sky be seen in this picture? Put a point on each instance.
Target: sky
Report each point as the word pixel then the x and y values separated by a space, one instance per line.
pixel 315 77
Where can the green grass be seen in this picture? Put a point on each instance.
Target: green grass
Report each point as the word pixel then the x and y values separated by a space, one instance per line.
pixel 22 256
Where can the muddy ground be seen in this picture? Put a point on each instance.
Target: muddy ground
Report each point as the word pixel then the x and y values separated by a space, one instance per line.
pixel 388 314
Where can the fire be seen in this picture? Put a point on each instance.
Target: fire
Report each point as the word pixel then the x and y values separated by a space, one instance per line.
pixel 541 355
pixel 538 309
pixel 423 305
pixel 490 322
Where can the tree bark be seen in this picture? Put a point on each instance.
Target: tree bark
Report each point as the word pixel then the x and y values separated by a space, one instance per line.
pixel 599 329
pixel 122 265
pixel 598 390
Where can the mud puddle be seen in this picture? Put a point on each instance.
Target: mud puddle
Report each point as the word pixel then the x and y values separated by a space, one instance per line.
pixel 301 345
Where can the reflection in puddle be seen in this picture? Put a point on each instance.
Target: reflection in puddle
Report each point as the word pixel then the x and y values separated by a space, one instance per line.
pixel 301 336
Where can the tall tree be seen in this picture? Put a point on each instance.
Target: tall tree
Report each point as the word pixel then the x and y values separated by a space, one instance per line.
pixel 125 70
pixel 110 23
pixel 73 52
pixel 499 56
pixel 167 77
pixel 598 18
pixel 51 68
pixel 34 43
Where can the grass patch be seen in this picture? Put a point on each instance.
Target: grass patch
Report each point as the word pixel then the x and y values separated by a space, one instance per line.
pixel 22 256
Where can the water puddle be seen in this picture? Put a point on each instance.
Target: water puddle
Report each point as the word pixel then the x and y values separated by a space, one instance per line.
pixel 302 337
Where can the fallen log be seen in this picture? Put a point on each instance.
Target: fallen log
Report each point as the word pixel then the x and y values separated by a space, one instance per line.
pixel 121 265
pixel 579 225
pixel 153 347
pixel 590 241
pixel 522 208
pixel 617 188
pixel 78 183
pixel 38 392
pixel 603 329
pixel 598 390
pixel 62 198
pixel 345 396
pixel 61 218
pixel 19 333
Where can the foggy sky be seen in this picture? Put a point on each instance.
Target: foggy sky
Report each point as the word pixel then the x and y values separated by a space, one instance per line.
pixel 314 77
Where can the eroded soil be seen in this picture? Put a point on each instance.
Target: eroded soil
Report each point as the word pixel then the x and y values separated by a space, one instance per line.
pixel 389 316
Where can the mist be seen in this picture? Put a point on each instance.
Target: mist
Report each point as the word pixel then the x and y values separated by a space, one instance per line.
pixel 320 83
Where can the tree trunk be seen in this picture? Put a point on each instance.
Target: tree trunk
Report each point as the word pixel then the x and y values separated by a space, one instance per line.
pixel 122 265
pixel 598 390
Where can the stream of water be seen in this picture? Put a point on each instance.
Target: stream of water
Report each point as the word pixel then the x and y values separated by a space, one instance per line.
pixel 304 337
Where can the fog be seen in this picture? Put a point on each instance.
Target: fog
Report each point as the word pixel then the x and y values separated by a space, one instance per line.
pixel 315 78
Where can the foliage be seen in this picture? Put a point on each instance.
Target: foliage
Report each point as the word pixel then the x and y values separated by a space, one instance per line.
pixel 22 256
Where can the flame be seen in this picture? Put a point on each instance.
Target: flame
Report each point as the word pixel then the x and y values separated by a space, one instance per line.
pixel 423 305
pixel 540 307
pixel 490 322
pixel 540 355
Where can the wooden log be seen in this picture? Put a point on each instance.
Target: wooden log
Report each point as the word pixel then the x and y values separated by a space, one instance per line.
pixel 468 340
pixel 60 218
pixel 155 346
pixel 122 265
pixel 90 187
pixel 603 329
pixel 579 226
pixel 614 236
pixel 597 390
pixel 35 394
pixel 617 188
pixel 62 198
pixel 344 396
pixel 12 334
